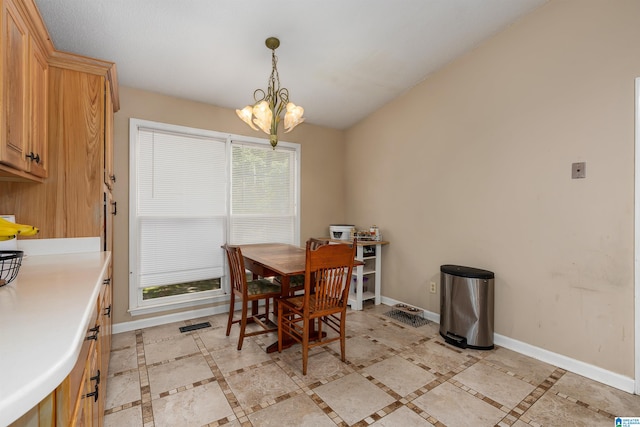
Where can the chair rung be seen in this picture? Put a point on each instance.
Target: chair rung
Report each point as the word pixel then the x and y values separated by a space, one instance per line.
pixel 332 322
pixel 256 319
pixel 319 342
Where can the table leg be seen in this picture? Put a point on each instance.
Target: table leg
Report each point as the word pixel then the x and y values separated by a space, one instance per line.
pixel 284 291
pixel 254 304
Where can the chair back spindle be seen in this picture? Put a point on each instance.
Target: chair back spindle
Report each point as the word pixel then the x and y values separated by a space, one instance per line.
pixel 237 275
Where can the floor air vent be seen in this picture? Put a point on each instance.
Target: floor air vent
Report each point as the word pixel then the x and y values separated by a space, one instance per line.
pixel 194 327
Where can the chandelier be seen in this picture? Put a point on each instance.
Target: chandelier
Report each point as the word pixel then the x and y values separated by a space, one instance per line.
pixel 268 106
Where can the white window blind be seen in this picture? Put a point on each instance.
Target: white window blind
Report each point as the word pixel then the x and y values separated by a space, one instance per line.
pixel 192 190
pixel 263 194
pixel 180 207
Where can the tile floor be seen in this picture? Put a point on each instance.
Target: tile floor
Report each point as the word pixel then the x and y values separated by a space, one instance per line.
pixel 396 375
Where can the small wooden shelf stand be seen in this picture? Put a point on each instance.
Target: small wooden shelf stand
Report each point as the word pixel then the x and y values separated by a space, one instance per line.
pixel 372 269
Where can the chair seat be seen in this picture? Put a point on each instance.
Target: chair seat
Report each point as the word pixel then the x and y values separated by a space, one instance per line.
pixel 297 303
pixel 296 282
pixel 262 286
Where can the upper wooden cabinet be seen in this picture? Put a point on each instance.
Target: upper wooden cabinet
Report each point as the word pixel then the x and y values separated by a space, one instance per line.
pixel 38 95
pixel 72 101
pixel 23 85
pixel 109 173
pixel 15 48
pixel 72 199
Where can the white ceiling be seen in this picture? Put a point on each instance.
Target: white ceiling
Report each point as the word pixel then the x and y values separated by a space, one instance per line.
pixel 340 59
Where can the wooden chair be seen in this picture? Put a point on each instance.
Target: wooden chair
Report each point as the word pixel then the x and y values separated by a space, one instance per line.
pixel 326 291
pixel 249 291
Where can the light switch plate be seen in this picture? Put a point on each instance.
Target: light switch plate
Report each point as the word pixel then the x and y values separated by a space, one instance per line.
pixel 578 170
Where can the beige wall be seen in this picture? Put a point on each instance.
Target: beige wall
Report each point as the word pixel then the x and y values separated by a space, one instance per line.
pixel 473 167
pixel 322 166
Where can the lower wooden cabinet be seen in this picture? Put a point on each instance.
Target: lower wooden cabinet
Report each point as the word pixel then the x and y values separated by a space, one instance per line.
pixel 80 399
pixel 88 405
pixel 83 406
pixel 90 392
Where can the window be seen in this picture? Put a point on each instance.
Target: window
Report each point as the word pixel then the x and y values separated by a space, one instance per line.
pixel 263 194
pixel 192 190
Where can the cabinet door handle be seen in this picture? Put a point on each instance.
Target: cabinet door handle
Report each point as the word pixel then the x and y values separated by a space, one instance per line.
pixel 94 393
pixel 95 331
pixel 114 211
pixel 96 377
pixel 33 157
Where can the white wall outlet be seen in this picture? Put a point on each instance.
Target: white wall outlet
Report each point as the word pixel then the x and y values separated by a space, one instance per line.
pixel 432 287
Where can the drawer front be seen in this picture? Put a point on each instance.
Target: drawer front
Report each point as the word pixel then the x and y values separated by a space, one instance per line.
pixel 75 376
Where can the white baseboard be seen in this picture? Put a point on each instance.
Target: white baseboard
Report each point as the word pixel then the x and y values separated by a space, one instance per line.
pixel 169 318
pixel 593 372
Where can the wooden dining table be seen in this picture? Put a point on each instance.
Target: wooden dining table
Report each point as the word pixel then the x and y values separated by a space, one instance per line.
pixel 272 260
pixel 277 259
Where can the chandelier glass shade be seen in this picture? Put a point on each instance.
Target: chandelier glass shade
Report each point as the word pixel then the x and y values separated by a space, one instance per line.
pixel 265 113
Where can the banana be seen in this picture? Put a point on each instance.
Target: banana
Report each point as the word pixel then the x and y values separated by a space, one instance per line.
pixel 8 237
pixel 5 222
pixel 15 229
pixel 32 232
pixel 8 231
pixel 8 228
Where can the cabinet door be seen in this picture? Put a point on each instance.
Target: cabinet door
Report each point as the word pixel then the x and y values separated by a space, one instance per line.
pixel 14 80
pixel 96 396
pixel 109 174
pixel 104 346
pixel 107 322
pixel 76 135
pixel 109 211
pixel 82 412
pixel 38 69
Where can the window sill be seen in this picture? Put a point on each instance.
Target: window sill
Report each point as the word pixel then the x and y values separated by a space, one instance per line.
pixel 157 308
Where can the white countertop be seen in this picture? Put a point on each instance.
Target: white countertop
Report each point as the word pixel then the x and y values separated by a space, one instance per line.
pixel 44 315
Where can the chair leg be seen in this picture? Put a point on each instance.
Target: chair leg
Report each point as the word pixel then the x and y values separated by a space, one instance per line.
pixel 280 326
pixel 343 332
pixel 243 323
pixel 305 345
pixel 266 311
pixel 231 308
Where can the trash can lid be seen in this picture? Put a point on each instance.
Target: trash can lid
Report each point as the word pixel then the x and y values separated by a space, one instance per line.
pixel 473 273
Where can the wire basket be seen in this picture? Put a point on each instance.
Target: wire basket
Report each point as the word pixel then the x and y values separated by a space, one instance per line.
pixel 10 262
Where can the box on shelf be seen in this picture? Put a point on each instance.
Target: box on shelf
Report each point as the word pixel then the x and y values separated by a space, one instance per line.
pixel 341 231
pixel 369 251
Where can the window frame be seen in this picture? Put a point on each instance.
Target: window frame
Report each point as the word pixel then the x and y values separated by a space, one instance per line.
pixel 138 306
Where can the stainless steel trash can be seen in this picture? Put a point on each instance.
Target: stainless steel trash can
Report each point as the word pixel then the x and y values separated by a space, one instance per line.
pixel 466 306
